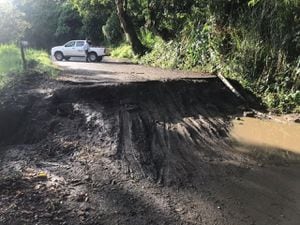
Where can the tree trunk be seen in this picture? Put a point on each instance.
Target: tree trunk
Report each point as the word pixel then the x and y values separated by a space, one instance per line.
pixel 128 27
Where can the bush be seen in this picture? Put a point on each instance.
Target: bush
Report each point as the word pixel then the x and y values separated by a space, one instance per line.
pixel 112 30
pixel 164 54
pixel 9 59
pixel 256 44
pixel 124 51
pixel 41 61
pixel 11 64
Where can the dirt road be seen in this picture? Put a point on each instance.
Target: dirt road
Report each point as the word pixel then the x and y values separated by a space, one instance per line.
pixel 116 143
pixel 116 71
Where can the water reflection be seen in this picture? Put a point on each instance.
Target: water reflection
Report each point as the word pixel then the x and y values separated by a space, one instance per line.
pixel 267 134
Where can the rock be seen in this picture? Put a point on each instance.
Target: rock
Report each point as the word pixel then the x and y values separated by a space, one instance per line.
pixel 82 197
pixel 249 114
pixel 47 215
pixel 87 178
pixel 26 212
pixel 81 213
pixel 113 182
pixel 297 120
pixel 37 187
pixel 42 176
pixel 65 109
pixel 180 209
pixel 58 219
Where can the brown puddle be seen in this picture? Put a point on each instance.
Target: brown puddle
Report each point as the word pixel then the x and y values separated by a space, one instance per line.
pixel 267 134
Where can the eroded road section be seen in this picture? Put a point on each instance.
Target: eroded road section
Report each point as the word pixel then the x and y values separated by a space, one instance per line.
pixel 116 143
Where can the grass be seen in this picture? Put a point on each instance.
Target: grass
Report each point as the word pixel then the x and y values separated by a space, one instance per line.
pixel 40 61
pixel 11 64
pixel 123 51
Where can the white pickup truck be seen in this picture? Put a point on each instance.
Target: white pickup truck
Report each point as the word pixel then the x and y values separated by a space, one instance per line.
pixel 74 48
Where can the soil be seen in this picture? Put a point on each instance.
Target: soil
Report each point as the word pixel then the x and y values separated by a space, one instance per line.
pixel 116 143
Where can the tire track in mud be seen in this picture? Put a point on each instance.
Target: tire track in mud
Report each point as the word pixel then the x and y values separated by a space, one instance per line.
pixel 165 131
pixel 148 152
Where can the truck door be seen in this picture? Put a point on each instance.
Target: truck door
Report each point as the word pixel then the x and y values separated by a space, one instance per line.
pixel 79 48
pixel 69 49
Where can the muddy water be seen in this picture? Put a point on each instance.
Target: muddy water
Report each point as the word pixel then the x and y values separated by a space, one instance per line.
pixel 267 134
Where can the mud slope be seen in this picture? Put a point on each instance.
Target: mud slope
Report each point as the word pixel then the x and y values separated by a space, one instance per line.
pixel 165 131
pixel 138 153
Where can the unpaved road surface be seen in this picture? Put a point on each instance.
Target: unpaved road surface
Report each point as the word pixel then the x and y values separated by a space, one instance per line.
pixel 116 143
pixel 112 71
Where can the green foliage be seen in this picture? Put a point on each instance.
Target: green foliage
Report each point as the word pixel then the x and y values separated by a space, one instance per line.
pixel 254 41
pixel 257 44
pixel 253 2
pixel 11 64
pixel 42 16
pixel 9 59
pixel 112 30
pixel 94 15
pixel 148 38
pixel 166 18
pixel 12 22
pixel 124 51
pixel 69 25
pixel 41 62
pixel 164 54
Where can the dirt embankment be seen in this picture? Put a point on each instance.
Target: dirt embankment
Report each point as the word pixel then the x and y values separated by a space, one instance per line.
pixel 148 152
pixel 157 130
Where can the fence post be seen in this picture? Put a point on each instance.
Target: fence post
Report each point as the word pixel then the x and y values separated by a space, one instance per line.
pixel 22 46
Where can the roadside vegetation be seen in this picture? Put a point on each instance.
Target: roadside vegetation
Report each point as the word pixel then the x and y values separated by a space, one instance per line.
pixel 258 45
pixel 253 41
pixel 123 51
pixel 11 64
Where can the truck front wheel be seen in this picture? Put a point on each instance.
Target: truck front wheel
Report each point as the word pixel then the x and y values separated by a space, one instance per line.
pixel 59 56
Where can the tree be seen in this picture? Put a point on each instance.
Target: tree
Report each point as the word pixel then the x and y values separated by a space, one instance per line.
pixel 42 16
pixel 167 18
pixel 128 27
pixel 12 23
pixel 69 24
pixel 112 30
pixel 87 7
pixel 94 14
